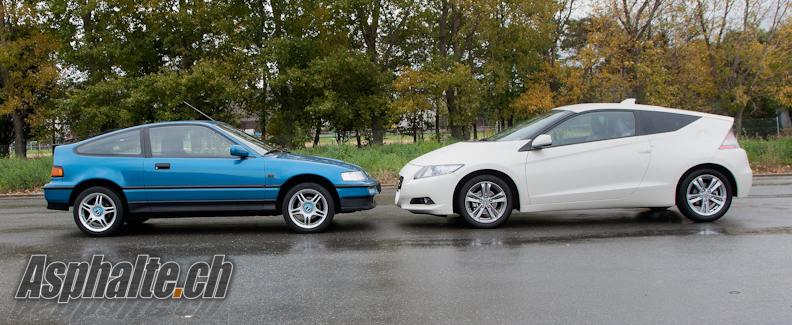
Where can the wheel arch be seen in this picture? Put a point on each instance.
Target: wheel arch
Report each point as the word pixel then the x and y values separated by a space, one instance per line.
pixel 303 178
pixel 503 176
pixel 84 185
pixel 723 170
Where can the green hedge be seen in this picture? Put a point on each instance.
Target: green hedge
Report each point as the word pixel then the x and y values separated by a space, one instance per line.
pixel 769 155
pixel 381 162
pixel 24 174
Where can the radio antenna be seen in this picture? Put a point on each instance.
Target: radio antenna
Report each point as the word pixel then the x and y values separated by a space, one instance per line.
pixel 197 110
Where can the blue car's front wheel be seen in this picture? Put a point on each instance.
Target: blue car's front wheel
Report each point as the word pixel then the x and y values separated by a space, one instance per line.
pixel 308 208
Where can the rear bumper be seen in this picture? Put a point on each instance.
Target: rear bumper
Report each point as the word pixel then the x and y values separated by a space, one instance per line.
pixel 57 197
pixel 58 206
pixel 352 204
pixel 736 161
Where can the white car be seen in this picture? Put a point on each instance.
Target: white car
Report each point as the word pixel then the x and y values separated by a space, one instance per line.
pixel 586 156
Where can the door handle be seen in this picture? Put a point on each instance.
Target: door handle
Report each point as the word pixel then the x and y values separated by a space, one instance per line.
pixel 162 166
pixel 645 150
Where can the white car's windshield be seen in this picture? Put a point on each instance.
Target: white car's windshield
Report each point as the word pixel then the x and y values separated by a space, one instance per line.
pixel 529 127
pixel 260 147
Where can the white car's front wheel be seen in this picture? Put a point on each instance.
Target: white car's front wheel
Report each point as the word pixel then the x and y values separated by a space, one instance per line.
pixel 485 201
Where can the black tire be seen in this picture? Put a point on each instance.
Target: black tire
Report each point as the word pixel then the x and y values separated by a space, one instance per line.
pixel 91 214
pixel 474 213
pixel 711 193
pixel 135 221
pixel 304 213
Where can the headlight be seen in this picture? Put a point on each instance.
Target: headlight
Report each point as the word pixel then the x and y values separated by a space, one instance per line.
pixel 356 176
pixel 436 170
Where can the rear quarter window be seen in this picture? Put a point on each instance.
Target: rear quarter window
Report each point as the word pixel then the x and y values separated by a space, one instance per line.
pixel 120 144
pixel 661 122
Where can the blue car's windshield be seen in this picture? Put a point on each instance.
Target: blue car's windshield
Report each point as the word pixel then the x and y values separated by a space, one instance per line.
pixel 528 128
pixel 260 147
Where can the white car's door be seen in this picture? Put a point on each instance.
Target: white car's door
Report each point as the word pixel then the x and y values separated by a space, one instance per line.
pixel 594 156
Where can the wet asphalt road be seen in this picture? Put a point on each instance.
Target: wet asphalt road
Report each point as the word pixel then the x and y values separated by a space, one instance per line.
pixel 389 266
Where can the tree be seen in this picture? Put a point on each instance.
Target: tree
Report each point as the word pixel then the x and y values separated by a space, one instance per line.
pixel 27 73
pixel 137 62
pixel 744 59
pixel 353 92
pixel 413 101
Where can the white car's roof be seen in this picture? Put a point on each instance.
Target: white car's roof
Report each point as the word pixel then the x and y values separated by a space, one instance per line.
pixel 630 105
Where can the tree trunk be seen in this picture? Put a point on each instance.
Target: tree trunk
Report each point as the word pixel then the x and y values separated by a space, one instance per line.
pixel 475 130
pixel 443 38
pixel 738 122
pixel 437 125
pixel 20 144
pixel 456 131
pixel 376 129
pixel 357 135
pixel 415 129
pixel 316 137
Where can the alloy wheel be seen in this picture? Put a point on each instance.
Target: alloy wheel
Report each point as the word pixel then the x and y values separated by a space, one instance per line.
pixel 485 202
pixel 97 212
pixel 308 208
pixel 706 195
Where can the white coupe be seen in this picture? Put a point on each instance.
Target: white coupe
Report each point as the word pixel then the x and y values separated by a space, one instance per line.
pixel 586 156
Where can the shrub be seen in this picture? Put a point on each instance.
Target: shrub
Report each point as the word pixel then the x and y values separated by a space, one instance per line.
pixel 18 174
pixel 769 156
pixel 381 162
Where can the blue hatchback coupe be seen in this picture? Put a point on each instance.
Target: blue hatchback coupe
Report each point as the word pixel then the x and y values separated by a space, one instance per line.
pixel 199 168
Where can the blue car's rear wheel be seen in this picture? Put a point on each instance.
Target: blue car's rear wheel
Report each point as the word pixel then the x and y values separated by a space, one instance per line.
pixel 308 208
pixel 98 211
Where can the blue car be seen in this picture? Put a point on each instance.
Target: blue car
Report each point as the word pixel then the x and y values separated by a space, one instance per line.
pixel 198 168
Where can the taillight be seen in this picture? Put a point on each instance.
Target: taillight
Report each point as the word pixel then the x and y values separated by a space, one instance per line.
pixel 730 142
pixel 57 171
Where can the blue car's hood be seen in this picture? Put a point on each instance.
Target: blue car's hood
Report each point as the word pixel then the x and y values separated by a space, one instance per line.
pixel 320 160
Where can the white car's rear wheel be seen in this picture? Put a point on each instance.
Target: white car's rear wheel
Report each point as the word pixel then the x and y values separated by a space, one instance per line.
pixel 704 195
pixel 485 201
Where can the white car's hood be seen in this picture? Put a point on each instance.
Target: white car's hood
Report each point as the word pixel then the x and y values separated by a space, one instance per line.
pixel 468 152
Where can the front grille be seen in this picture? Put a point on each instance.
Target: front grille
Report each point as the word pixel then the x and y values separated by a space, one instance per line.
pixel 398 186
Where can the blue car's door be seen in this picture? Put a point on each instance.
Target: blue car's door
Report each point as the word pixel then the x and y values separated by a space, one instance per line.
pixel 189 168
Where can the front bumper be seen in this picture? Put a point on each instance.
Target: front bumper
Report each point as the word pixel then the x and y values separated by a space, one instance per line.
pixel 440 189
pixel 358 197
pixel 352 204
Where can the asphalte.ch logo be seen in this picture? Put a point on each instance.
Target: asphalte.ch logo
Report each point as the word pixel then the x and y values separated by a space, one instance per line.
pixel 147 278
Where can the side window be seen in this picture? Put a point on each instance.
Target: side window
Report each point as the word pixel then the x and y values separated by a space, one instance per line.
pixel 121 144
pixel 188 141
pixel 661 122
pixel 594 126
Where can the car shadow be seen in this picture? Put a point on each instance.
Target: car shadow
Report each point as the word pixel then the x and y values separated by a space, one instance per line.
pixel 563 218
pixel 206 226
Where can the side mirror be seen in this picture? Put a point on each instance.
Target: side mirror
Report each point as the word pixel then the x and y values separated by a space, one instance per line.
pixel 541 141
pixel 239 151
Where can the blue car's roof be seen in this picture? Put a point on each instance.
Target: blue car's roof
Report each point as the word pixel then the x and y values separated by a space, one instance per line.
pixel 183 122
pixel 150 124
